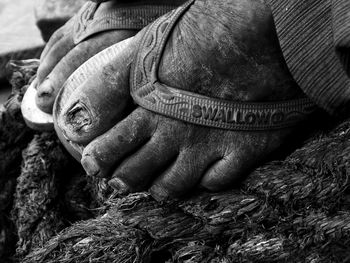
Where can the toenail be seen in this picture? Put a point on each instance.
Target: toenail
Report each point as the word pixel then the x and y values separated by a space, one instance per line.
pixel 90 165
pixel 78 117
pixel 159 193
pixel 119 186
pixel 45 89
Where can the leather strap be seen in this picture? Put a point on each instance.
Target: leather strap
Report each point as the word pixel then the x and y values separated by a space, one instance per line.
pixel 150 94
pixel 132 16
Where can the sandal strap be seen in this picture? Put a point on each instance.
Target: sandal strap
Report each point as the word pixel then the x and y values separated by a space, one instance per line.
pixel 131 16
pixel 149 93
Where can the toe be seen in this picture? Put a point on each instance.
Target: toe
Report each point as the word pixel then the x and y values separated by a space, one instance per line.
pixel 56 36
pixel 243 152
pixel 98 102
pixel 63 61
pixel 223 174
pixel 138 171
pixel 103 154
pixel 50 73
pixel 54 51
pixel 182 176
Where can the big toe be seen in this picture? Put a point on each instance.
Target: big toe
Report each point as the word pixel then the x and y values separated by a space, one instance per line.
pixel 53 72
pixel 96 96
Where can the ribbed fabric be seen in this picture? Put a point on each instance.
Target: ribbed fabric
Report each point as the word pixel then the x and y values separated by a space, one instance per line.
pixel 150 2
pixel 315 39
pixel 341 27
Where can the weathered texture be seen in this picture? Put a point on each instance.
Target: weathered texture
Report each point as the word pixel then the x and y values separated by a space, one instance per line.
pixel 51 192
pixel 47 184
pixel 52 14
pixel 14 138
pixel 35 212
pixel 295 210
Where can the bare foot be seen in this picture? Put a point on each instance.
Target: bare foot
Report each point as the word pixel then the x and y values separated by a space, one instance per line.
pixel 65 51
pixel 225 49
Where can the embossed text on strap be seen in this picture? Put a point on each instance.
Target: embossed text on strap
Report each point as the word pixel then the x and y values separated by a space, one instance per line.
pixel 148 92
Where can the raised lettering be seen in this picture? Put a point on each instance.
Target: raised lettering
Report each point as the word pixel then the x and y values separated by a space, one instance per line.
pixel 250 118
pixel 263 117
pixel 197 111
pixel 209 113
pixel 277 117
pixel 230 116
pixel 239 118
pixel 220 116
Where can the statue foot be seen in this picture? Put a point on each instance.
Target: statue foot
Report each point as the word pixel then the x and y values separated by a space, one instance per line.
pixel 195 74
